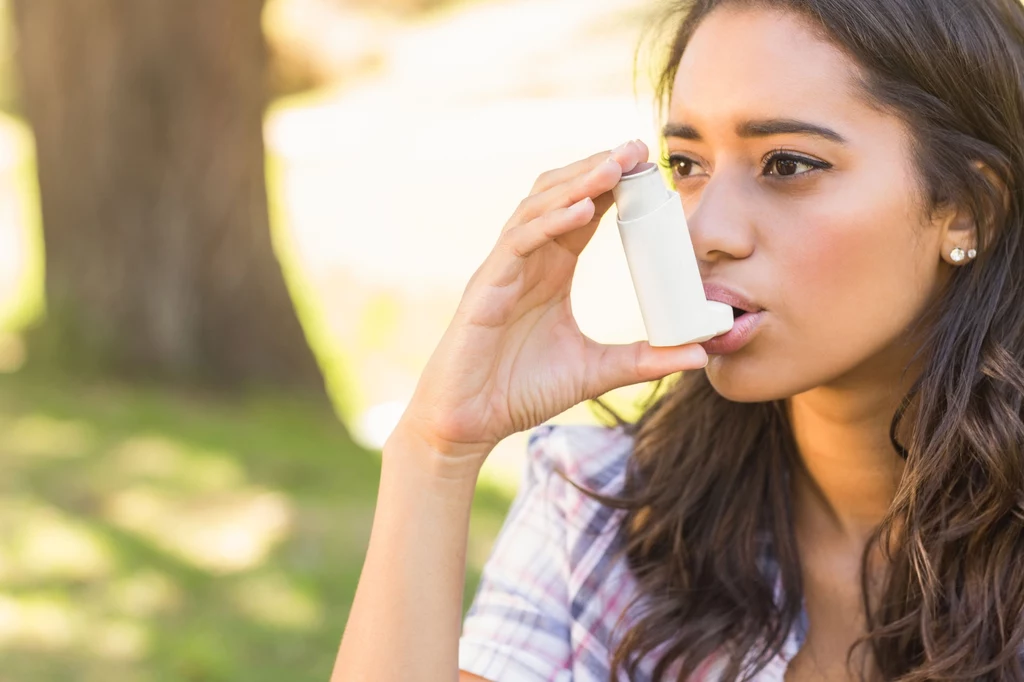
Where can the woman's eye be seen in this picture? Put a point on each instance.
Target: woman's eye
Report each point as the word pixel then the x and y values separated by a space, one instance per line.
pixel 788 165
pixel 777 164
pixel 680 166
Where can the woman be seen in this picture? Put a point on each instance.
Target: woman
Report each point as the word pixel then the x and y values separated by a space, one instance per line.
pixel 840 498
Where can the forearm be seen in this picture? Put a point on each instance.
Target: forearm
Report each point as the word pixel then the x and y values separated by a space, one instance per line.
pixel 407 613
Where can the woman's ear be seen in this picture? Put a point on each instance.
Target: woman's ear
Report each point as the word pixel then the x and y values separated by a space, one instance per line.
pixel 958 242
pixel 960 236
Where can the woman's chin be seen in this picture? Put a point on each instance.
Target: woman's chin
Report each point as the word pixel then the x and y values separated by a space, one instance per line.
pixel 745 379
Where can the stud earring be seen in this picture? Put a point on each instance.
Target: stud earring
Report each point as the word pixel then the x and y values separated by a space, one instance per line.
pixel 957 254
pixel 971 253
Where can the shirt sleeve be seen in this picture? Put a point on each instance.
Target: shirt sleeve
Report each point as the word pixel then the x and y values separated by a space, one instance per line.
pixel 517 627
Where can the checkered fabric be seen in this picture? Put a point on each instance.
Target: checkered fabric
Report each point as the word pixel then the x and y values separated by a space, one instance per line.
pixel 550 594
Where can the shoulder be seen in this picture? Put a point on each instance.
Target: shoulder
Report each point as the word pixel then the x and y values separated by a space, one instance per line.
pixel 594 458
pixel 550 591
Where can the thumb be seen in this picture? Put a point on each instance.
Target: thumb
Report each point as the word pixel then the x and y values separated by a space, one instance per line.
pixel 612 366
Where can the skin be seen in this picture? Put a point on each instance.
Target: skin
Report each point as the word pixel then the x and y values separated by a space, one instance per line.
pixel 843 259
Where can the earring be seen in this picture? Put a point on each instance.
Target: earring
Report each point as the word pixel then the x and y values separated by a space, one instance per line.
pixel 971 253
pixel 957 254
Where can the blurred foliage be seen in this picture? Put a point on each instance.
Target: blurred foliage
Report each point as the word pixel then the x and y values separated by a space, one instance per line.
pixel 315 43
pixel 311 43
pixel 19 192
pixel 8 94
pixel 404 7
pixel 148 535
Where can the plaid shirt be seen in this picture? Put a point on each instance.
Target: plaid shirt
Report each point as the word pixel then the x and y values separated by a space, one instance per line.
pixel 550 593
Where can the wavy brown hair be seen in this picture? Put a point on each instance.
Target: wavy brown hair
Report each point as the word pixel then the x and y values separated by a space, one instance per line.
pixel 706 490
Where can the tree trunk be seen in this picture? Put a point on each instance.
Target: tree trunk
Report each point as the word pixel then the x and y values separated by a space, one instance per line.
pixel 148 123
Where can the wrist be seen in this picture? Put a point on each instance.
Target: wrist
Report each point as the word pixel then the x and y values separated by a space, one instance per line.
pixel 409 448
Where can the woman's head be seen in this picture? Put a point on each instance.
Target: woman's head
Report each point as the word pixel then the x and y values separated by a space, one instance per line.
pixel 919 148
pixel 842 232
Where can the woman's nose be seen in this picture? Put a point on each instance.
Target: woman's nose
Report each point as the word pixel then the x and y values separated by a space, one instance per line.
pixel 721 223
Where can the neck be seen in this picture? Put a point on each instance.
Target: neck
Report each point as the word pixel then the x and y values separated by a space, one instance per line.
pixel 849 469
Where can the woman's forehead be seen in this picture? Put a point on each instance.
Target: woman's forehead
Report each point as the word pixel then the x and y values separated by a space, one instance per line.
pixel 763 63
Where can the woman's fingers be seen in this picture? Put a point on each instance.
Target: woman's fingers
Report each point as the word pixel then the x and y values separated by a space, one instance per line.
pixel 592 179
pixel 527 238
pixel 517 244
pixel 568 208
pixel 576 240
pixel 613 366
pixel 557 176
pixel 520 239
pixel 595 182
pixel 559 212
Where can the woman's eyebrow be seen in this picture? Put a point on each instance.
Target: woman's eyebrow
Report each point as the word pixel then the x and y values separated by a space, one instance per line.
pixel 760 128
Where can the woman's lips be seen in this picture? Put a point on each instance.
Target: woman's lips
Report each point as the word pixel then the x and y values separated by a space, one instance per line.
pixel 743 330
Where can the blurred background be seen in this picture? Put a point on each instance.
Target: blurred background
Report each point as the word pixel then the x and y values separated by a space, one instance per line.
pixel 231 234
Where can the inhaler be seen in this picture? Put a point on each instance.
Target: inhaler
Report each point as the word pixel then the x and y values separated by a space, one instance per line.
pixel 662 264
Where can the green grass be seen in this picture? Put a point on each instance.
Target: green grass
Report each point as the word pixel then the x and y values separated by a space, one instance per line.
pixel 148 535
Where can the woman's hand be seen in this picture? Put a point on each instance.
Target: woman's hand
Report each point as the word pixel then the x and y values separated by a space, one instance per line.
pixel 513 355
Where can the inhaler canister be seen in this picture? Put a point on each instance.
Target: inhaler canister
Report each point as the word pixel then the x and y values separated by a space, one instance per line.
pixel 662 264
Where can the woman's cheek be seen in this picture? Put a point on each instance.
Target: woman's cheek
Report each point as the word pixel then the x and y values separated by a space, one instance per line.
pixel 834 274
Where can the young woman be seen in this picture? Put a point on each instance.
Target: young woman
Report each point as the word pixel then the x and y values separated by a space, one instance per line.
pixel 842 497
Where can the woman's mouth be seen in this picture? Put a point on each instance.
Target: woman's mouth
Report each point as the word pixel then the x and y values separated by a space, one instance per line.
pixel 745 326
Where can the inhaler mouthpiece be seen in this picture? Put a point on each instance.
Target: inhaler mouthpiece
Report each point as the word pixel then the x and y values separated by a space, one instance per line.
pixel 662 263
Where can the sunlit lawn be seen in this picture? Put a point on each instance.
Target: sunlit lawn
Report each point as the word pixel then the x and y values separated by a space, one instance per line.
pixel 149 534
pixel 146 535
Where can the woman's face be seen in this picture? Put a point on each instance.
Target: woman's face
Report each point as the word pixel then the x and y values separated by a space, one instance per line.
pixel 830 237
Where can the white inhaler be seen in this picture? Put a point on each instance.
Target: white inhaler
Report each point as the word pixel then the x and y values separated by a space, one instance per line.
pixel 662 264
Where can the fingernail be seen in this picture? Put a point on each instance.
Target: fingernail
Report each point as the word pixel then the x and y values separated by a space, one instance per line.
pixel 621 147
pixel 580 205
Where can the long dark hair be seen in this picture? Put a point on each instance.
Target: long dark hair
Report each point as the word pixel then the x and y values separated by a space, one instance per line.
pixel 707 481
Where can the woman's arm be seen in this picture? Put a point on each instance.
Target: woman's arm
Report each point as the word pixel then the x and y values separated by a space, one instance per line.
pixel 512 358
pixel 406 617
